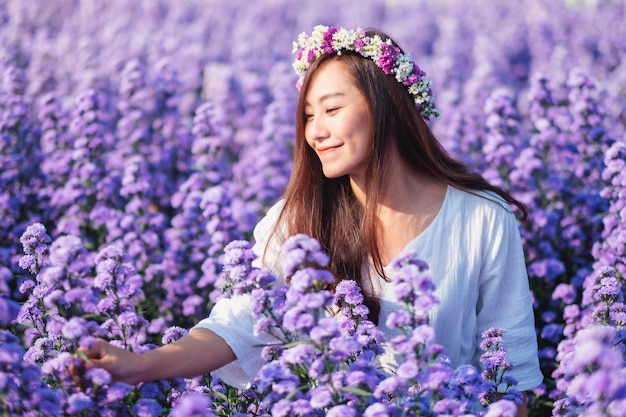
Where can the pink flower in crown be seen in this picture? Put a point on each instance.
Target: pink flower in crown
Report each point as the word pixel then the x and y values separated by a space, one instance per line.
pixel 359 43
pixel 411 79
pixel 327 44
pixel 387 60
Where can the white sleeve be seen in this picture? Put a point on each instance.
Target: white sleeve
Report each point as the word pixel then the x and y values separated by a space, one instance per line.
pixel 268 252
pixel 232 318
pixel 504 280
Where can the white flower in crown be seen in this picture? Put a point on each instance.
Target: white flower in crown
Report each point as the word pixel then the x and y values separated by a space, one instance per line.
pixel 319 31
pixel 404 67
pixel 413 89
pixel 300 66
pixel 344 39
pixel 372 49
pixel 386 56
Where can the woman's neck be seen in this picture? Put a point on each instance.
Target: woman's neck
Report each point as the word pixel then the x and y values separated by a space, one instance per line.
pixel 406 206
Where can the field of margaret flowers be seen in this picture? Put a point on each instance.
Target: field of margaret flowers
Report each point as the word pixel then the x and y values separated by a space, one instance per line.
pixel 140 142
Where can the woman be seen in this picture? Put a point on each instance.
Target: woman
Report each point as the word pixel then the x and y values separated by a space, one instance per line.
pixel 370 180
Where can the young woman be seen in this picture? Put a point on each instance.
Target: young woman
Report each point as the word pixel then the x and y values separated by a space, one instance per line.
pixel 370 180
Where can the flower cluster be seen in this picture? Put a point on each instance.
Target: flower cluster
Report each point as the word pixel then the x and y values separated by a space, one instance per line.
pixel 389 58
pixel 22 390
pixel 592 357
pixel 327 358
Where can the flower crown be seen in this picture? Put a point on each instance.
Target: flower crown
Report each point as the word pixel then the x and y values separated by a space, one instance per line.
pixel 388 57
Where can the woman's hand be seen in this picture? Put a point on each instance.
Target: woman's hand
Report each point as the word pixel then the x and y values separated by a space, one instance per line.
pixel 124 366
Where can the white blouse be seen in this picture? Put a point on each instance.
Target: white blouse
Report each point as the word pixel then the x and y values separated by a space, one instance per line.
pixel 474 252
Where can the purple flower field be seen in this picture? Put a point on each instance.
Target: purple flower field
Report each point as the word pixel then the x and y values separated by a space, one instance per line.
pixel 141 141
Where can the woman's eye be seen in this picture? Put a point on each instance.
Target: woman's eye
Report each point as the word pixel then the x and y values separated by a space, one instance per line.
pixel 308 117
pixel 332 110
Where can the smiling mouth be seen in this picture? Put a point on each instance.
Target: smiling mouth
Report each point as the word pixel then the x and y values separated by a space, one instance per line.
pixel 328 148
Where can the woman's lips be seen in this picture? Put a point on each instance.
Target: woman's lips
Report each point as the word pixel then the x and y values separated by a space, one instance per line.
pixel 326 149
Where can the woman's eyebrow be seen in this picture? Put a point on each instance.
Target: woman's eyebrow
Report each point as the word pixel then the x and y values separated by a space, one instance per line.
pixel 326 97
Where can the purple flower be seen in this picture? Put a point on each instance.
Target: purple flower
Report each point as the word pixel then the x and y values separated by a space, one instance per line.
pixel 326 328
pixel 391 385
pixel 302 251
pixel 65 250
pixel 349 292
pixel 564 292
pixel 74 328
pixel 377 410
pixel 117 391
pixel 296 320
pixel 502 408
pixel 408 370
pixel 192 405
pixel 78 403
pixel 98 376
pixel 35 244
pixel 450 406
pixel 281 408
pixel 552 332
pixel 341 411
pixel 436 377
pixel 310 301
pixel 298 354
pixel 343 346
pixel 9 310
pixel 147 407
pixel 34 236
pixel 465 374
pixel 321 397
pixel 594 348
pixel 172 334
pixel 398 319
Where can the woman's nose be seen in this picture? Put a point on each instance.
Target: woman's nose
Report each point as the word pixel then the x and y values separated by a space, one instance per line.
pixel 319 129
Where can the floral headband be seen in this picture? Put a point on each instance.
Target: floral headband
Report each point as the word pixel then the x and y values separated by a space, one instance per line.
pixel 330 40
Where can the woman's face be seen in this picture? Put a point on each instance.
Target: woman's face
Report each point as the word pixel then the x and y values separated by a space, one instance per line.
pixel 337 121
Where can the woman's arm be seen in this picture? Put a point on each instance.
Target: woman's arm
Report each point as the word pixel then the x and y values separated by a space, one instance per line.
pixel 199 352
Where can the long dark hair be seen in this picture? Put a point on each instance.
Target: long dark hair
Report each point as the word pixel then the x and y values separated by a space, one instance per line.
pixel 328 210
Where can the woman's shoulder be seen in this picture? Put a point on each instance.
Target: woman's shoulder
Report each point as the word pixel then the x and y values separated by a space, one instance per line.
pixel 267 222
pixel 482 200
pixel 267 246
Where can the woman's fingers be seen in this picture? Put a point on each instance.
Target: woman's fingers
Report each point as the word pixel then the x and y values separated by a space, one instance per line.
pixel 90 356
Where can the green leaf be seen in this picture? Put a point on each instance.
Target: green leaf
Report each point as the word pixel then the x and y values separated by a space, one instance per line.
pixel 357 391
